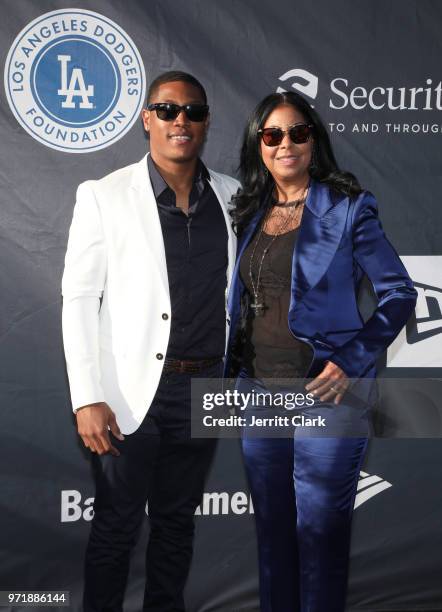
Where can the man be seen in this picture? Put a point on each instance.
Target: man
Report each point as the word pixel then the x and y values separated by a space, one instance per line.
pixel 148 267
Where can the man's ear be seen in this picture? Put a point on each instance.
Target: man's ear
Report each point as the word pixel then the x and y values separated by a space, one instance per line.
pixel 145 117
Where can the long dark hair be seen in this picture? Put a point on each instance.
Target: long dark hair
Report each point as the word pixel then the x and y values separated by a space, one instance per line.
pixel 257 183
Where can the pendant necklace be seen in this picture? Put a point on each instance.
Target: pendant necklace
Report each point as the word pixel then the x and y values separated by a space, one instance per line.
pixel 257 305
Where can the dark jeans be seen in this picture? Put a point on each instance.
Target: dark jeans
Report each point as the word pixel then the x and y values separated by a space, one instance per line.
pixel 159 463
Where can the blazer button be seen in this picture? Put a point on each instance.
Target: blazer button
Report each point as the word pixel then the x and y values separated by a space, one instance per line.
pixel 165 316
pixel 160 356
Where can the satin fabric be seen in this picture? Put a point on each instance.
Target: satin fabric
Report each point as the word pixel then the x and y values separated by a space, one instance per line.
pixel 303 490
pixel 340 240
pixel 303 493
pixel 303 487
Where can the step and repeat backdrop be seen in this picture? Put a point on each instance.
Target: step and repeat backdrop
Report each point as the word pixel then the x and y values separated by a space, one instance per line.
pixel 75 79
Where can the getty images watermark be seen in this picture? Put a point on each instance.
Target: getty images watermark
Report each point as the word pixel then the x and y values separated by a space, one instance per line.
pixel 245 401
pixel 247 407
pixel 383 407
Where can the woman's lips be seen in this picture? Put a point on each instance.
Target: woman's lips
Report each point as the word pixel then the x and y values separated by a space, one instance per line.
pixel 289 160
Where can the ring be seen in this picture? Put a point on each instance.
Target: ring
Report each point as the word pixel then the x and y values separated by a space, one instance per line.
pixel 335 390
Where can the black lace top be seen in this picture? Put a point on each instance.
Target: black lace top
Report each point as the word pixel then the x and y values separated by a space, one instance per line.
pixel 271 350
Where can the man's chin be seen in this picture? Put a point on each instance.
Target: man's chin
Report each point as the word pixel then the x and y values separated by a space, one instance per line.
pixel 183 157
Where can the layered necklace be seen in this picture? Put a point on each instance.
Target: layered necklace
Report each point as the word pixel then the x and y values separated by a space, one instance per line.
pixel 284 221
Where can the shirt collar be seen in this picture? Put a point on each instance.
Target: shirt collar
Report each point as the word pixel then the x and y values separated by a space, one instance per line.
pixel 159 184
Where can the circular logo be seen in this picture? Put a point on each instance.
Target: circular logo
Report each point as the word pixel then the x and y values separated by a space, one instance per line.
pixel 75 80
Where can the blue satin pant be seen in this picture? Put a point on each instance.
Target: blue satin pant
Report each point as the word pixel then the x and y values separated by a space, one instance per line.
pixel 303 491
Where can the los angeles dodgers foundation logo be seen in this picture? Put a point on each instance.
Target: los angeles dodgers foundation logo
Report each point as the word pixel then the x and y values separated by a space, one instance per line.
pixel 75 80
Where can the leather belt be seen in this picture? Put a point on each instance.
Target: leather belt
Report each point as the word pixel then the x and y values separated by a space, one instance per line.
pixel 189 366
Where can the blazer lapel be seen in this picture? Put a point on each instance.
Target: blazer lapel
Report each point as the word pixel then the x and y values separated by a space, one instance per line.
pixel 145 205
pixel 224 196
pixel 322 225
pixel 143 201
pixel 233 299
pixel 249 231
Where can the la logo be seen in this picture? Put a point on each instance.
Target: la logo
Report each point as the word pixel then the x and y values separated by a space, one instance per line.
pixel 77 86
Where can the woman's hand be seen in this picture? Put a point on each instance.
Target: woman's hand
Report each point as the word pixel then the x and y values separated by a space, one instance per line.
pixel 331 383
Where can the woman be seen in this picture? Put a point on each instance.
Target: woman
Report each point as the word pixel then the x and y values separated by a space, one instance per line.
pixel 309 233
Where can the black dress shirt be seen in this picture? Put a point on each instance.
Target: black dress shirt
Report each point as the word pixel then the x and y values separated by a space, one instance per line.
pixel 196 256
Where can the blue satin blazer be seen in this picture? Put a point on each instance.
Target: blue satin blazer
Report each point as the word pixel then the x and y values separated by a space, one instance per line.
pixel 339 241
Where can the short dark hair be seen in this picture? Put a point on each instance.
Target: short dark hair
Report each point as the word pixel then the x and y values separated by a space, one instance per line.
pixel 172 76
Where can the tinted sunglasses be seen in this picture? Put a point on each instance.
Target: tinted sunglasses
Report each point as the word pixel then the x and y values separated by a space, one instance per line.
pixel 169 112
pixel 273 136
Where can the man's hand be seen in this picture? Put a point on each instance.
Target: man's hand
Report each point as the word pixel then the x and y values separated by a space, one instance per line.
pixel 94 422
pixel 331 383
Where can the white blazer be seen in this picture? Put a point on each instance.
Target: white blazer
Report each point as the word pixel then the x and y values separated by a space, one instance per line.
pixel 115 292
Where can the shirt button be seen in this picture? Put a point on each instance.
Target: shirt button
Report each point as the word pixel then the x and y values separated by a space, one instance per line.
pixel 160 356
pixel 165 316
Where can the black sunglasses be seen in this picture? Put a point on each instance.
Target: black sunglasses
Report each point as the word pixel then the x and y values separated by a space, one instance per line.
pixel 169 112
pixel 273 136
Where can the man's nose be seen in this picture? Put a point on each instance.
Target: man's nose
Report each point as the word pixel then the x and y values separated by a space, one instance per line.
pixel 181 118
